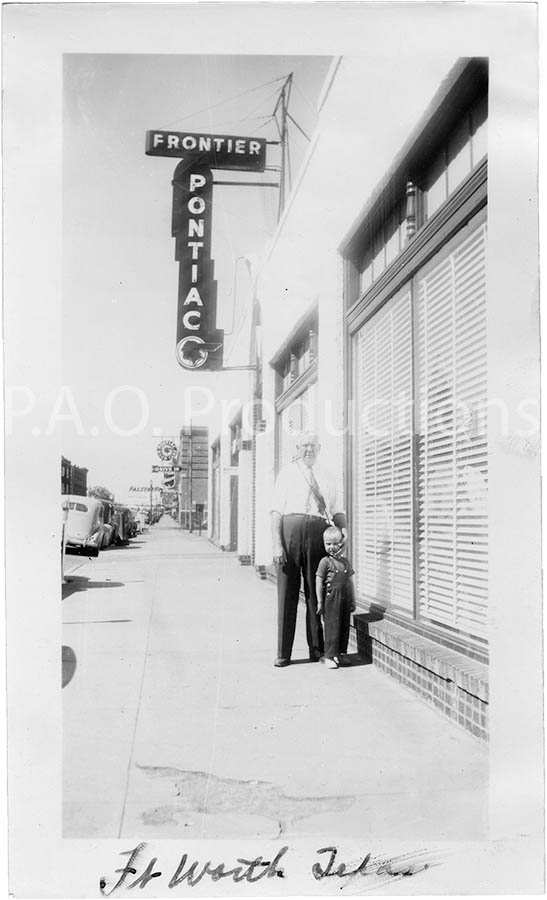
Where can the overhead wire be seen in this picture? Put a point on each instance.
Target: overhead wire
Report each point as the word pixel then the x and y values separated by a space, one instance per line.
pixel 289 173
pixel 305 99
pixel 250 116
pixel 298 126
pixel 222 102
pixel 244 119
pixel 265 123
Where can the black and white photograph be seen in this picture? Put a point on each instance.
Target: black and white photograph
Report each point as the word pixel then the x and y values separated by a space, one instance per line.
pixel 271 312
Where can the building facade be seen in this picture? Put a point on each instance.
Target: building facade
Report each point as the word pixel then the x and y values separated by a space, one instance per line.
pixel 371 322
pixel 193 479
pixel 73 478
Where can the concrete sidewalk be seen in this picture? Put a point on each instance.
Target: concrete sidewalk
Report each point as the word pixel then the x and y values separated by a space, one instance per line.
pixel 175 721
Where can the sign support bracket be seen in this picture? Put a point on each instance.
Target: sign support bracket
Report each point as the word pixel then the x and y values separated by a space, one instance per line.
pixel 249 183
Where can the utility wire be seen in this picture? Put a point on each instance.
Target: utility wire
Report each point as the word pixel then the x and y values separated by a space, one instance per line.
pixel 258 105
pixel 277 123
pixel 228 100
pixel 305 99
pixel 250 116
pixel 235 123
pixel 265 123
pixel 298 126
pixel 289 160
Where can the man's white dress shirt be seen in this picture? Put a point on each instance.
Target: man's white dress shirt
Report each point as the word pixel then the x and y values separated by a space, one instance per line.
pixel 292 493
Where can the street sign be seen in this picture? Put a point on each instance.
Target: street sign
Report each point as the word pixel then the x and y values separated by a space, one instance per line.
pixel 166 450
pixel 147 488
pixel 170 469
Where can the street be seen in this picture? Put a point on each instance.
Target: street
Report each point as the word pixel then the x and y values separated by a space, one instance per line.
pixel 175 721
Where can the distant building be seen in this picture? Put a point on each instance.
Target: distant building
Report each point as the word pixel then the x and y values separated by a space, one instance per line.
pixel 193 479
pixel 73 478
pixel 66 467
pixel 79 481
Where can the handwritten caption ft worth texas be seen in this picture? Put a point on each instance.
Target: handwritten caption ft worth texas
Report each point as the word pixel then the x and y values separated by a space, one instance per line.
pixel 326 866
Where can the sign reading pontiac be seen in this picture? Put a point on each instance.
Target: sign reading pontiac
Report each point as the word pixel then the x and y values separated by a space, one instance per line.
pixel 197 308
pixel 199 342
pixel 217 151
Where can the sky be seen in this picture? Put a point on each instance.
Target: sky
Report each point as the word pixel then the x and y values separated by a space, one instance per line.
pixel 123 389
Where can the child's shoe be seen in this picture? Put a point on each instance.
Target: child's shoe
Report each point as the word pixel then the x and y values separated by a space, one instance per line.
pixel 342 660
pixel 331 663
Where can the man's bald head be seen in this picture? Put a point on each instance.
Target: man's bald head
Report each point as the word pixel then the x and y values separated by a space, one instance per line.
pixel 308 447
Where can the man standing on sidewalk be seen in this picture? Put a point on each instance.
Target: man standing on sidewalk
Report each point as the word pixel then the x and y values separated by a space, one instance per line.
pixel 304 503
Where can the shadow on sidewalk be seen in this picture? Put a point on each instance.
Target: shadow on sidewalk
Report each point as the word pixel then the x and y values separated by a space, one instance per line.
pixel 123 545
pixel 76 583
pixel 68 665
pixel 354 659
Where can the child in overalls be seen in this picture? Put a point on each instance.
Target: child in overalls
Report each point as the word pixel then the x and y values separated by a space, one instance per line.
pixel 335 598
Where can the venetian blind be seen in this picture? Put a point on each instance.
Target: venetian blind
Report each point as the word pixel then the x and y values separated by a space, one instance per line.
pixel 452 445
pixel 383 457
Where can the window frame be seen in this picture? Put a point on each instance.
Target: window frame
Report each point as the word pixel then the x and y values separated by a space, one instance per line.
pixel 286 396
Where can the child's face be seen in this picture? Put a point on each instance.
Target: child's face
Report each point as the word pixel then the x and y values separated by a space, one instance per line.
pixel 333 545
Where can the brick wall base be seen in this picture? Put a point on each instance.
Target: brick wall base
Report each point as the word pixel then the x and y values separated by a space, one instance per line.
pixel 452 683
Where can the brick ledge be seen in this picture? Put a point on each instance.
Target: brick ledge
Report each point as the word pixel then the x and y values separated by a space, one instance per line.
pixel 469 674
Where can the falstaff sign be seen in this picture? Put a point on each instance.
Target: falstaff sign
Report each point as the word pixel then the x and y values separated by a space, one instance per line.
pixel 199 342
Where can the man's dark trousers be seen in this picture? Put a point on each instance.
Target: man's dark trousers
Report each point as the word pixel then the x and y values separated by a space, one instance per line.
pixel 302 540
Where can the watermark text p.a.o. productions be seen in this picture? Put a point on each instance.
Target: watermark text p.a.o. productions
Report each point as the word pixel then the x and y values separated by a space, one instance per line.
pixel 126 411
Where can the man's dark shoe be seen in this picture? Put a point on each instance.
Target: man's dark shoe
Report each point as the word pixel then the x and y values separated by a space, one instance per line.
pixel 279 662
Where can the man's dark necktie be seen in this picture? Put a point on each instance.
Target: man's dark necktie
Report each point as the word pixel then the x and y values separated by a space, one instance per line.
pixel 316 491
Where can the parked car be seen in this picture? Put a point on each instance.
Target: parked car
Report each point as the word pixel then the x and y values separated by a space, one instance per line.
pixel 108 535
pixel 64 517
pixel 84 525
pixel 140 519
pixel 122 522
pixel 133 527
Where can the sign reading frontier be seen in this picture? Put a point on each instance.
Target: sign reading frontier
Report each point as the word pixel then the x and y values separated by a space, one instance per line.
pixel 215 150
pixel 199 342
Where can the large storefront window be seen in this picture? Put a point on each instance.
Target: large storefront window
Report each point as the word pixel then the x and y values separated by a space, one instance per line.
pixel 418 469
pixel 420 450
pixel 452 442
